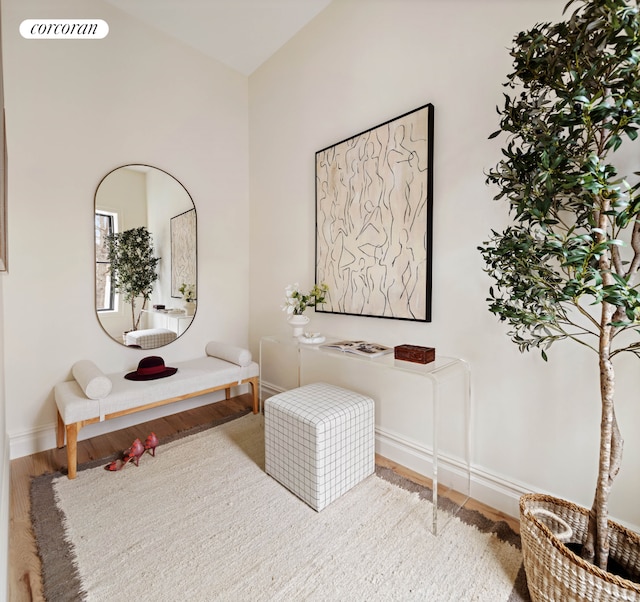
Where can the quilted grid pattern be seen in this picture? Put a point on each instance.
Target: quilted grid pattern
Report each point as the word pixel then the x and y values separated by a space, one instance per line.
pixel 150 338
pixel 319 441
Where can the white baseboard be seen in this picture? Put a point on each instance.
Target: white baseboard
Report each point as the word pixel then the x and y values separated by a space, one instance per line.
pixel 33 441
pixel 490 489
pixel 480 485
pixel 43 437
pixel 268 389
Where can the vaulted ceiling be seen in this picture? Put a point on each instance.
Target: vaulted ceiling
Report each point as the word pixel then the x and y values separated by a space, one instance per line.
pixel 242 34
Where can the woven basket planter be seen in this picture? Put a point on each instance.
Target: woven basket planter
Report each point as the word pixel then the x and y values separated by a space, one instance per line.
pixel 554 572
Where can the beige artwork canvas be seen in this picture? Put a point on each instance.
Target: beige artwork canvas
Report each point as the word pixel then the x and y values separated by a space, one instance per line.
pixel 373 220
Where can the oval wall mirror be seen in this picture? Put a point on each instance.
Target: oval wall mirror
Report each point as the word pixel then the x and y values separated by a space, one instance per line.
pixel 145 253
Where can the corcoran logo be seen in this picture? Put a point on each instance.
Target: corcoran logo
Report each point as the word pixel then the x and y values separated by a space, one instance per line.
pixel 64 29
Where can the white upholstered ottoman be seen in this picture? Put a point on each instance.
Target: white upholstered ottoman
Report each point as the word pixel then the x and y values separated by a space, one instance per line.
pixel 150 338
pixel 319 441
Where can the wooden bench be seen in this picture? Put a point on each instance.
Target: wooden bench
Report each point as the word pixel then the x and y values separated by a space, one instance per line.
pixel 193 378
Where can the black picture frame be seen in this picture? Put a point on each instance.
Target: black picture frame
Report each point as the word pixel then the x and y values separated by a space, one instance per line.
pixel 374 220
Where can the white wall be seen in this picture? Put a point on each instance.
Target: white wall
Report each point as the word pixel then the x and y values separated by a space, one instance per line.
pixel 75 111
pixel 4 467
pixel 360 63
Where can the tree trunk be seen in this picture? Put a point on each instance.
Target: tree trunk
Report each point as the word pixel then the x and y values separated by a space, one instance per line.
pixel 134 326
pixel 596 548
pixel 136 323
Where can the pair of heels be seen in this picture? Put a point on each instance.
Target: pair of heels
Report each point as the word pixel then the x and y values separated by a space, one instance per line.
pixel 135 452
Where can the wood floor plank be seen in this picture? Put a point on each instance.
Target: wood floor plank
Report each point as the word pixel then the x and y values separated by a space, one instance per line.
pixel 25 584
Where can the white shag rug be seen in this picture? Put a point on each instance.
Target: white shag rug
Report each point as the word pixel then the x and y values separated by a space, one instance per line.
pixel 203 521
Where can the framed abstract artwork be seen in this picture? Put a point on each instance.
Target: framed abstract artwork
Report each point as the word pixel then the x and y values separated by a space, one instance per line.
pixel 183 251
pixel 374 208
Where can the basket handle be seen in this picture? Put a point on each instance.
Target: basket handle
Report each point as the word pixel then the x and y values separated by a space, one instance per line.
pixel 563 535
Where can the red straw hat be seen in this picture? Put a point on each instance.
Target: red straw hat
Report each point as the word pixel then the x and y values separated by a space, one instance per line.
pixel 150 368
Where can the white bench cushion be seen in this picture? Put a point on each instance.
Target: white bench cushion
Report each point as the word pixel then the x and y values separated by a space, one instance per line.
pixel 192 376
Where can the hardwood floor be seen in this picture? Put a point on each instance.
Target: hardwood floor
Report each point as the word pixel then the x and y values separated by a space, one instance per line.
pixel 24 564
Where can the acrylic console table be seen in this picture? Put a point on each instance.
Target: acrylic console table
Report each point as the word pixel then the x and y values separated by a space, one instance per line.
pixel 433 376
pixel 165 316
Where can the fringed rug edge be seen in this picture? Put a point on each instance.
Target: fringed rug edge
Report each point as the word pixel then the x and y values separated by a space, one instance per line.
pixel 59 566
pixel 60 578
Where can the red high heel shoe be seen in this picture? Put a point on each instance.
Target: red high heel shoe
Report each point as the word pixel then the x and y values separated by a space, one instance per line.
pixel 133 453
pixel 151 443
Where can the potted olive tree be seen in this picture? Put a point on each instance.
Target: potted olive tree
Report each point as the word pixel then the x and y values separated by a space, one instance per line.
pixel 133 267
pixel 567 268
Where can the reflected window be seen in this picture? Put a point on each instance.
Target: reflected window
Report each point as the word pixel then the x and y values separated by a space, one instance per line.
pixel 106 224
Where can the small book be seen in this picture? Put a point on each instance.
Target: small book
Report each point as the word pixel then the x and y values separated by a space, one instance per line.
pixel 359 348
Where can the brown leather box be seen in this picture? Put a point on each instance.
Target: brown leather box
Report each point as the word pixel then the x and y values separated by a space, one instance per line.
pixel 414 353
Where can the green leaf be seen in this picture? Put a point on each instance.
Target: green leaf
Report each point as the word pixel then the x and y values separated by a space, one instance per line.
pixel 574 102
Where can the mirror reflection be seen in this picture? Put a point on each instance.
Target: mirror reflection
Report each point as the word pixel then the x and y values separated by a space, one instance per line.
pixel 145 252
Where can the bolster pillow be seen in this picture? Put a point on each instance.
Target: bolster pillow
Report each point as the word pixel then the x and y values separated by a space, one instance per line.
pixel 234 355
pixel 94 383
